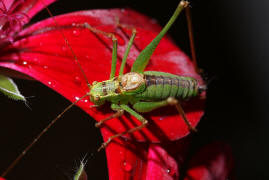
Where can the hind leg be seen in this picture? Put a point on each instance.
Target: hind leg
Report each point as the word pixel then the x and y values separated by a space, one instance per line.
pixel 175 102
pixel 150 106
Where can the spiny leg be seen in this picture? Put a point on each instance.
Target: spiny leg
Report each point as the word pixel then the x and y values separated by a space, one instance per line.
pixel 114 41
pixel 133 113
pixel 130 43
pixel 115 115
pixel 143 58
pixel 173 101
pixel 119 112
pixel 150 106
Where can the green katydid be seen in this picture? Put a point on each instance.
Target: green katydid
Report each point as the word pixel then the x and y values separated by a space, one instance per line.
pixel 143 90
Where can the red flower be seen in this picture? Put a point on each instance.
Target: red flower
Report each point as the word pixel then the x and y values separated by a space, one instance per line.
pixel 15 13
pixel 168 161
pixel 40 52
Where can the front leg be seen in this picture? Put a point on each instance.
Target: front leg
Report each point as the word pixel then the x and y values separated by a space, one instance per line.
pixel 119 112
pixel 114 41
pixel 126 108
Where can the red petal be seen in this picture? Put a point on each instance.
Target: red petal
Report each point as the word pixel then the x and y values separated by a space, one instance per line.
pixel 47 58
pixel 214 161
pixel 7 3
pixel 32 7
pixel 28 7
pixel 145 161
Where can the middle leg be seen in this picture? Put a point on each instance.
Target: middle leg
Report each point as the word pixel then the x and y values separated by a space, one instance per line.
pixel 126 108
pixel 150 106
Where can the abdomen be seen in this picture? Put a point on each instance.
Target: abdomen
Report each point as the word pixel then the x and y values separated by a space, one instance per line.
pixel 163 85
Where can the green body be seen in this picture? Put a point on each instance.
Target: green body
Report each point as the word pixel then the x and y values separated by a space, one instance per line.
pixel 153 87
pixel 145 91
pixel 168 85
pixel 150 89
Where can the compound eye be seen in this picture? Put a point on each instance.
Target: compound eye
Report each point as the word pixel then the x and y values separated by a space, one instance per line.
pixel 94 83
pixel 96 98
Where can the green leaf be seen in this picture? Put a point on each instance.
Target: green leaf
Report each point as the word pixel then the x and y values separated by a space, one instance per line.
pixel 10 89
pixel 81 174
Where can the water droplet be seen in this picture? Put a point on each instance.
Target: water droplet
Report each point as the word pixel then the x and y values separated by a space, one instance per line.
pixel 171 172
pixel 22 63
pixel 45 67
pixel 73 24
pixel 162 118
pixel 75 32
pixel 127 166
pixel 86 100
pixel 87 56
pixel 77 98
pixel 77 80
pixel 64 48
pixel 51 84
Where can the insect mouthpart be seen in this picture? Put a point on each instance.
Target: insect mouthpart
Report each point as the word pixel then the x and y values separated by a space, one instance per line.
pixel 96 98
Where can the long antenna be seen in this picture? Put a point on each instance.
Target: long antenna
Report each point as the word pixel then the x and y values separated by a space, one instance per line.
pixel 67 43
pixel 10 167
pixel 23 153
pixel 191 39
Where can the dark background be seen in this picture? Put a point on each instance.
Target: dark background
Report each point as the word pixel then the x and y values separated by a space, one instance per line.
pixel 231 41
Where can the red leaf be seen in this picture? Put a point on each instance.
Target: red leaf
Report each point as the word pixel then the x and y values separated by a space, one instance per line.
pixel 42 53
pixel 214 161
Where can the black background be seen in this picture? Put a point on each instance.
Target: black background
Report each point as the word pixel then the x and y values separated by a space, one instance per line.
pixel 231 40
